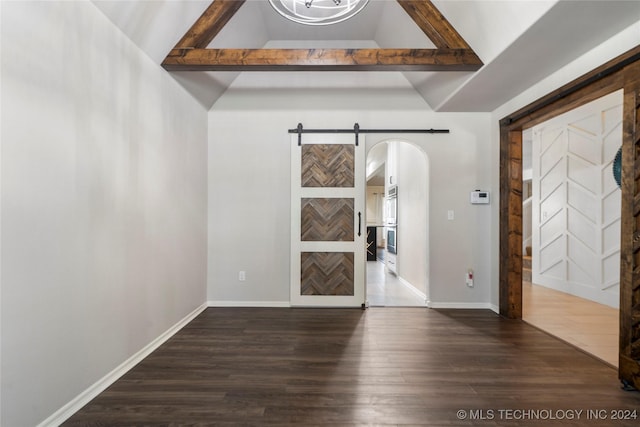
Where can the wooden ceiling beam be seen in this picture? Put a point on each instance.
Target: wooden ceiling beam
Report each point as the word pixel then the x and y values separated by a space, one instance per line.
pixel 452 53
pixel 322 60
pixel 212 20
pixel 433 24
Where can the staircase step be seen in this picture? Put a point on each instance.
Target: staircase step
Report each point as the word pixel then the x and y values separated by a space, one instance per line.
pixel 526 275
pixel 526 262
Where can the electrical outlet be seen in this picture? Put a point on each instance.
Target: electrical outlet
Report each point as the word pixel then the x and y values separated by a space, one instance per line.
pixel 450 215
pixel 242 276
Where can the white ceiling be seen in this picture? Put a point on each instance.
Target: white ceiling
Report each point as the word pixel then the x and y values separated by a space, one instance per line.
pixel 520 42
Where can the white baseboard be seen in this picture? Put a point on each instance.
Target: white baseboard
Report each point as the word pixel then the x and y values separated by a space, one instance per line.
pixel 463 305
pixel 494 308
pixel 271 304
pixel 62 414
pixel 413 289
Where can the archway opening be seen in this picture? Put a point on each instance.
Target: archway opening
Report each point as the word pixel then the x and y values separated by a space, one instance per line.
pixel 397 173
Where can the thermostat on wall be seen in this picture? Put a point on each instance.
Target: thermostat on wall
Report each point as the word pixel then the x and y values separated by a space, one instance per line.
pixel 479 197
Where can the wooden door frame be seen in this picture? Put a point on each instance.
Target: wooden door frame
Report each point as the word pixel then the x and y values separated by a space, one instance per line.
pixel 622 72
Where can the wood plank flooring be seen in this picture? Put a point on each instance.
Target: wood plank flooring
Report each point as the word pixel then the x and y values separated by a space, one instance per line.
pixel 382 366
pixel 592 327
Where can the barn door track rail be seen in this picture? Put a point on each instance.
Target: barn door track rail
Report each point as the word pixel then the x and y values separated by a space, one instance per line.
pixel 356 130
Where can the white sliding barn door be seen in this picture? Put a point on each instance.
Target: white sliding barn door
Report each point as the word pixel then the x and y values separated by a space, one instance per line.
pixel 576 202
pixel 328 227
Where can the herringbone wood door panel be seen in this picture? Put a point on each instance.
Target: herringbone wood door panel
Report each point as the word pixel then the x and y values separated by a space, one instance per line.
pixel 327 220
pixel 327 273
pixel 327 202
pixel 328 165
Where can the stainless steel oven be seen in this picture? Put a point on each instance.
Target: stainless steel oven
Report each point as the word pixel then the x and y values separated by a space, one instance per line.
pixel 391 240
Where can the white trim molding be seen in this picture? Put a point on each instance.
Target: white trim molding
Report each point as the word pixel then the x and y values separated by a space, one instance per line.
pixel 465 305
pixel 415 290
pixel 64 413
pixel 267 304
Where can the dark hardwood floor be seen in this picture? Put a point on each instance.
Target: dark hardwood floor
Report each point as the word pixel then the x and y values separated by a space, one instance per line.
pixel 383 366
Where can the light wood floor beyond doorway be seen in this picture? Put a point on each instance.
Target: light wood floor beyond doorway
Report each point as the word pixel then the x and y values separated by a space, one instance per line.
pixel 592 327
pixel 382 366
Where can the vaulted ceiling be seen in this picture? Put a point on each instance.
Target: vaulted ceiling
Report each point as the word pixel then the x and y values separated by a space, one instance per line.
pixel 519 41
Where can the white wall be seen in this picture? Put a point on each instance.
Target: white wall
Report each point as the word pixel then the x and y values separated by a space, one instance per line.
pixel 616 45
pixel 411 175
pixel 103 204
pixel 249 179
pixel 576 215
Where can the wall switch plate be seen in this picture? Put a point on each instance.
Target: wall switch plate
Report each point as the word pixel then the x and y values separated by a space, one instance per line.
pixel 450 215
pixel 242 276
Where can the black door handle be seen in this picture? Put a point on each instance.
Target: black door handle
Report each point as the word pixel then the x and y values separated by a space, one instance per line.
pixel 359 223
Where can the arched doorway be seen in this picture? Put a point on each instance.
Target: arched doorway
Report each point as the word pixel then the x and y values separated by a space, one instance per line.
pixel 399 273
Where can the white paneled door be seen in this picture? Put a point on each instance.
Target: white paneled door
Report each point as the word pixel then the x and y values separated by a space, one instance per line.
pixel 328 225
pixel 576 201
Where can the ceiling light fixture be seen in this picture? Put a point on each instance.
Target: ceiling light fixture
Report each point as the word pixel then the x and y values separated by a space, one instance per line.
pixel 318 12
